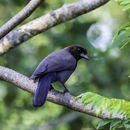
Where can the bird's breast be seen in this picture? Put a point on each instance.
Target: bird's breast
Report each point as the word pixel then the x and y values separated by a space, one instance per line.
pixel 63 76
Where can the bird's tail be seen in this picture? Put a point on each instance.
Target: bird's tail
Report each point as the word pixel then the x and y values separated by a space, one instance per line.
pixel 42 90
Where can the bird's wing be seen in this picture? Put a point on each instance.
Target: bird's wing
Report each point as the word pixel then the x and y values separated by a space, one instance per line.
pixel 57 61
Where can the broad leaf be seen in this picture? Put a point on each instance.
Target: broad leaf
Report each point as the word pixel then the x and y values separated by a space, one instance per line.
pixel 114 124
pixel 103 123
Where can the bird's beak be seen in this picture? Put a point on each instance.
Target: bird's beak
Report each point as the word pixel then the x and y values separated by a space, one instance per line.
pixel 85 56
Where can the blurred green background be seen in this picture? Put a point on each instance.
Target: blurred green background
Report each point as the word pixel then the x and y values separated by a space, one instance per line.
pixel 106 73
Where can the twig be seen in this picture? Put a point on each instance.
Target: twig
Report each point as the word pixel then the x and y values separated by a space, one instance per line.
pixel 20 17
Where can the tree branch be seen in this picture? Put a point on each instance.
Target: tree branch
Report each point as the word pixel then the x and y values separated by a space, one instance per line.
pixel 66 99
pixel 43 23
pixel 21 16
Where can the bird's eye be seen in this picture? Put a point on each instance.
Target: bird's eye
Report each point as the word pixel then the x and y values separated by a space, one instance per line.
pixel 79 50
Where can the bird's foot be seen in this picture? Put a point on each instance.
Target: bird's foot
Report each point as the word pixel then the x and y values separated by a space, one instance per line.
pixel 51 88
pixel 66 91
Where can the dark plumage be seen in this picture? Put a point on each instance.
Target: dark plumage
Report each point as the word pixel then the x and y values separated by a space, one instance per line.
pixel 58 66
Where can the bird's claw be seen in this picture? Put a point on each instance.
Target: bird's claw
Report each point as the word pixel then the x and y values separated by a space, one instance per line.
pixel 51 88
pixel 66 91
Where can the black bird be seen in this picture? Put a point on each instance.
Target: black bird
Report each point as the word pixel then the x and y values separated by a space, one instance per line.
pixel 58 66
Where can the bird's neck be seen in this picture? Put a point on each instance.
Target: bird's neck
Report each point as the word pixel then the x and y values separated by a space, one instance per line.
pixel 73 54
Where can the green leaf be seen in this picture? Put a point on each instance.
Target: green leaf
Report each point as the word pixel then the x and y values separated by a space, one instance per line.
pixel 125 3
pixel 122 39
pixel 126 7
pixel 127 126
pixel 103 123
pixel 97 103
pixel 114 124
pixel 126 123
pixel 102 104
pixel 124 28
pixel 85 102
pixel 113 106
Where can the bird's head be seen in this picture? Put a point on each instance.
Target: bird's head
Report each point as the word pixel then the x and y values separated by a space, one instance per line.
pixel 78 52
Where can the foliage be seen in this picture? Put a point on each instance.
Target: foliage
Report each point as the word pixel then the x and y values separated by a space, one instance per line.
pixel 125 3
pixel 116 123
pixel 102 104
pixel 122 37
pixel 105 105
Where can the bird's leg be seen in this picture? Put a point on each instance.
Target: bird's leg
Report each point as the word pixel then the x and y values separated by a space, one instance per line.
pixel 51 88
pixel 66 90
